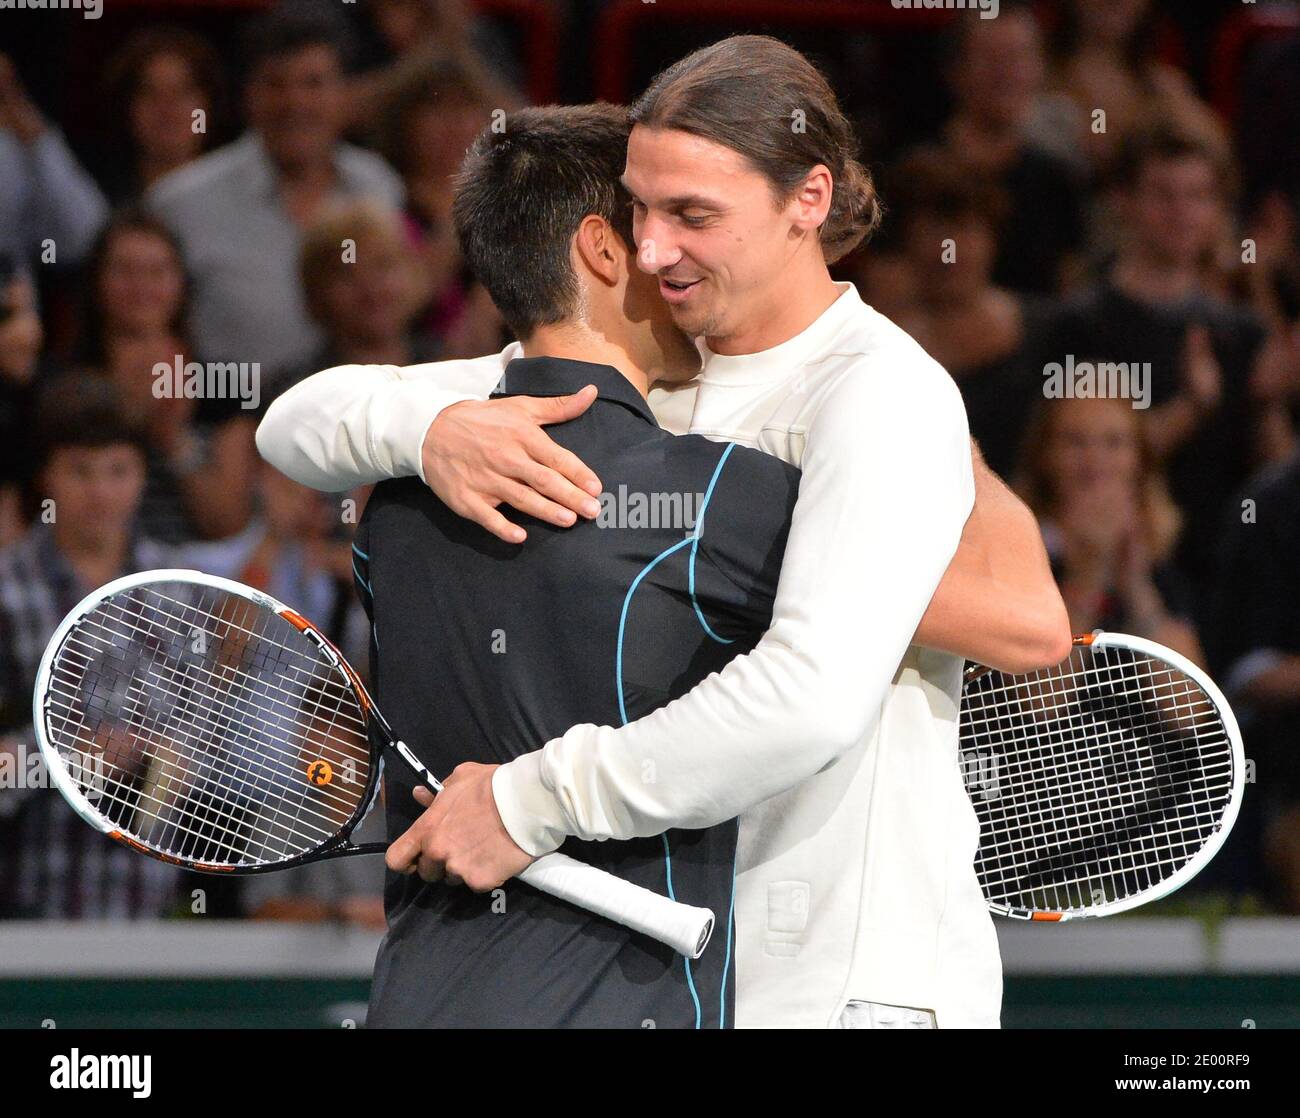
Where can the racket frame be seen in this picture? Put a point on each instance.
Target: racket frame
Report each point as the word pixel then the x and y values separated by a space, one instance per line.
pixel 338 845
pixel 1101 639
pixel 685 928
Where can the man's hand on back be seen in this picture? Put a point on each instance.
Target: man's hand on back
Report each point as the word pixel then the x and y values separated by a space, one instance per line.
pixel 480 454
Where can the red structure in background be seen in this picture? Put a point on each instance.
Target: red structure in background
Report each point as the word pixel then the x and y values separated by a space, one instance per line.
pixel 1238 34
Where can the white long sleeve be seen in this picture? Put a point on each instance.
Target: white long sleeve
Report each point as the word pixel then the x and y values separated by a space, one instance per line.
pixel 356 424
pixel 886 490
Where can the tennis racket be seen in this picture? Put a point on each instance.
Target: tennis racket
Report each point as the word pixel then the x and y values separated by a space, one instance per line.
pixel 1100 784
pixel 204 723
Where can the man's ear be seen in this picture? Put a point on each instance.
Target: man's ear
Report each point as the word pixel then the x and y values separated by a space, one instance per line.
pixel 811 203
pixel 598 247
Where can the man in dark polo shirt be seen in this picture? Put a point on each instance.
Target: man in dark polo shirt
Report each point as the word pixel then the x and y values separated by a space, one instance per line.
pixel 481 649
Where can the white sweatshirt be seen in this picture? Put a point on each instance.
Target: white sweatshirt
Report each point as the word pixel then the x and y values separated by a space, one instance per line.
pixel 835 739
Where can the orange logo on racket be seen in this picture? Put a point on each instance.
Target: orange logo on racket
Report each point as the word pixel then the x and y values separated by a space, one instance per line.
pixel 320 772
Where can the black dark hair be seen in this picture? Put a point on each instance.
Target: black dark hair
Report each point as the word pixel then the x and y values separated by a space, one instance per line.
pixel 286 30
pixel 90 347
pixel 929 181
pixel 1160 138
pixel 1140 49
pixel 81 410
pixel 521 193
pixel 126 72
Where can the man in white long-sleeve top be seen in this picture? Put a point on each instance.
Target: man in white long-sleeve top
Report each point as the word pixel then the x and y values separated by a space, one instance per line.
pixel 835 739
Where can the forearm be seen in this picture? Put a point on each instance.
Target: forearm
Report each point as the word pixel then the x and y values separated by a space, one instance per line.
pixel 998 603
pixel 358 424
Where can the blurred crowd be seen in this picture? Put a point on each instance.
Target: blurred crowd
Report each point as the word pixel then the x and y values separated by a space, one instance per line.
pixel 263 213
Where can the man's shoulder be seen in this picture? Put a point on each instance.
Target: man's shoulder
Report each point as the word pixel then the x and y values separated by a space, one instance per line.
pixel 876 361
pixel 368 173
pixel 711 458
pixel 212 174
pixel 746 495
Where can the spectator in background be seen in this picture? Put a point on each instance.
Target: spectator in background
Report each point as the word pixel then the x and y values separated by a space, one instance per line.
pixel 240 211
pixel 414 36
pixel 298 551
pixel 1254 646
pixel 45 194
pixel 1210 410
pixel 90 474
pixel 1107 520
pixel 987 337
pixel 365 299
pixel 199 450
pixel 428 122
pixel 996 73
pixel 156 84
pixel 20 348
pixel 1103 57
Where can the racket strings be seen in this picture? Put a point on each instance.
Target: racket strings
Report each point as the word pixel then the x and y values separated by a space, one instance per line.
pixel 222 771
pixel 237 713
pixel 222 715
pixel 120 787
pixel 216 731
pixel 284 666
pixel 1092 781
pixel 266 672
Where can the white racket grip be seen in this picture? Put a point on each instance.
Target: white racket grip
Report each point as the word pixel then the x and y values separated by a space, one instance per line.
pixel 682 927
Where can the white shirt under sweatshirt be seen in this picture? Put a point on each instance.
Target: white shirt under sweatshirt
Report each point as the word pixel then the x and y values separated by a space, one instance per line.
pixel 835 739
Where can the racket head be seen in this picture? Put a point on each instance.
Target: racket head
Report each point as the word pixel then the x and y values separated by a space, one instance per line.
pixel 204 723
pixel 1101 784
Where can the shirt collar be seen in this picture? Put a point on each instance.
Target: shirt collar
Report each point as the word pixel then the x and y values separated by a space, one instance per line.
pixel 558 376
pixel 262 177
pixel 781 361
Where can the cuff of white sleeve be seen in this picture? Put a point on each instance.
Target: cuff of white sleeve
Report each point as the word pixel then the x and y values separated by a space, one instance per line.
pixel 528 809
pixel 416 405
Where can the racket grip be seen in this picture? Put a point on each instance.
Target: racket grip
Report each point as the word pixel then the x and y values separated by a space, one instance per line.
pixel 682 927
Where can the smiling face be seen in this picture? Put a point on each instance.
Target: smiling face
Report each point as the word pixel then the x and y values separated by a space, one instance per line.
pixel 1092 443
pixel 96 490
pixel 297 102
pixel 657 345
pixel 162 110
pixel 1174 209
pixel 141 283
pixel 708 226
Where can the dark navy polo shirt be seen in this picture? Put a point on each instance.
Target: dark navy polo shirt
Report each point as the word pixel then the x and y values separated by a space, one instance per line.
pixel 483 651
